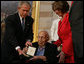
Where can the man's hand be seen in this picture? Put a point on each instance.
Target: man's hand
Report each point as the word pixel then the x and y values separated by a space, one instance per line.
pixel 62 57
pixel 25 49
pixel 20 51
pixel 28 43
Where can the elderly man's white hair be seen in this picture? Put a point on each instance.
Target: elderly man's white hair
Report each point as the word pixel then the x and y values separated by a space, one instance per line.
pixel 46 34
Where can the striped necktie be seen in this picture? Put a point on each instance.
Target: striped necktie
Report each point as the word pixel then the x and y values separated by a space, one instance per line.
pixel 23 24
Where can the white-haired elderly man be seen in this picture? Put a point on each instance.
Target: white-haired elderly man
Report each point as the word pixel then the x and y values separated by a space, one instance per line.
pixel 45 51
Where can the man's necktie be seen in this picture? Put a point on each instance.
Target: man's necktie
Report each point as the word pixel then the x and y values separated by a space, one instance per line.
pixel 23 24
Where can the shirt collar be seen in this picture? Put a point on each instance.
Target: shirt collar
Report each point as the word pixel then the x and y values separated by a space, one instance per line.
pixel 42 47
pixel 20 17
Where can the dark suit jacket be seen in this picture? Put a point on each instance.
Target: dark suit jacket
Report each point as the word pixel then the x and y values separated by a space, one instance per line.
pixel 15 36
pixel 50 52
pixel 76 22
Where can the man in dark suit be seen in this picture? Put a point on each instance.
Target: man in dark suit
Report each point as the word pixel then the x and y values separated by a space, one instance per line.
pixel 76 22
pixel 18 31
pixel 45 51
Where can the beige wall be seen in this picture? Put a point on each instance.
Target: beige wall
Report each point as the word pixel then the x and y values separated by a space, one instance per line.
pixel 46 15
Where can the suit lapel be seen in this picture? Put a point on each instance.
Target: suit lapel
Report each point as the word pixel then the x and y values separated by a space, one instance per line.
pixel 46 49
pixel 18 22
pixel 26 21
pixel 61 24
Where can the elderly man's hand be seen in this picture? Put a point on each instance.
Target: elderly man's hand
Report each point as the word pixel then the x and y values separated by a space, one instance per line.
pixel 39 57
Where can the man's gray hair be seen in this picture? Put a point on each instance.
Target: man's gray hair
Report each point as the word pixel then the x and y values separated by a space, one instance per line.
pixel 23 2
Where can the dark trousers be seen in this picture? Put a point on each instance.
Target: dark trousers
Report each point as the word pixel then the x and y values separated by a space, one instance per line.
pixel 79 60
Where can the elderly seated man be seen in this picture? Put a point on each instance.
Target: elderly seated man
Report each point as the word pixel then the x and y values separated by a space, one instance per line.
pixel 45 51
